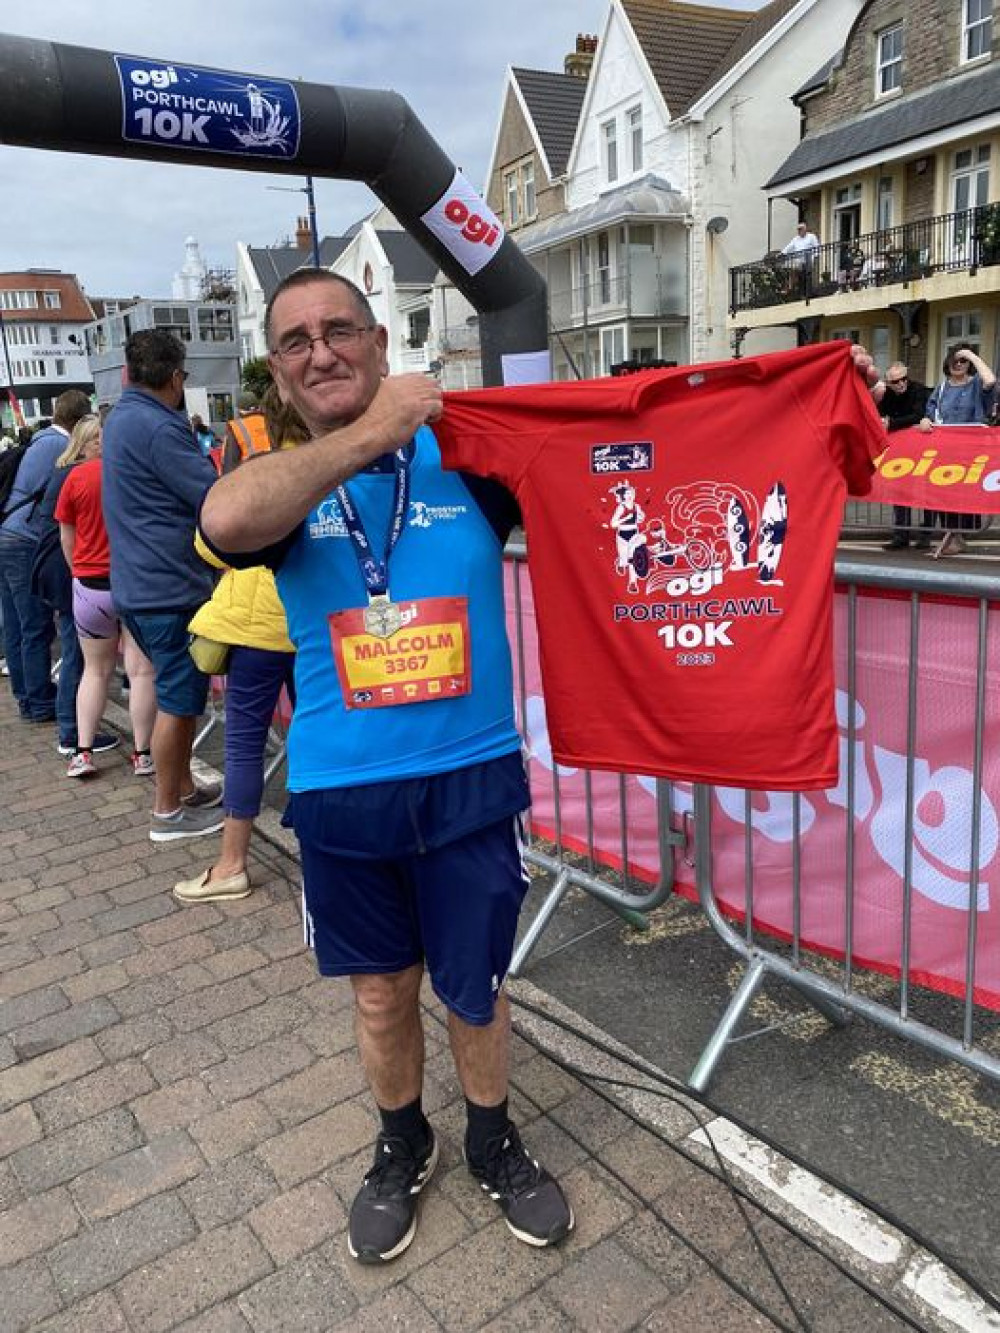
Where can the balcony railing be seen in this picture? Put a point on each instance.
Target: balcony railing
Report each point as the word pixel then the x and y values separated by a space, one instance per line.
pixel 945 244
pixel 653 285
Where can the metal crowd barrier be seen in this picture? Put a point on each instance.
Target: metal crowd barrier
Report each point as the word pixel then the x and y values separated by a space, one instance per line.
pixel 832 988
pixel 866 521
pixel 214 719
pixel 568 868
pixel 837 995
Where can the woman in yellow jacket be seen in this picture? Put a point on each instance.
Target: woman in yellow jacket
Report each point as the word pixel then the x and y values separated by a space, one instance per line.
pixel 245 612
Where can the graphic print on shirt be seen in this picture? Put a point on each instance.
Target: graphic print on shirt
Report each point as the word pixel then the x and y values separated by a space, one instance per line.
pixel 700 540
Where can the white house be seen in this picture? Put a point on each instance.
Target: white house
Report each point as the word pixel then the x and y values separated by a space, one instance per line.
pixel 684 116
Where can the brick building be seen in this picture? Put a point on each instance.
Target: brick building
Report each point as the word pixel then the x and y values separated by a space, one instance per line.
pixel 898 173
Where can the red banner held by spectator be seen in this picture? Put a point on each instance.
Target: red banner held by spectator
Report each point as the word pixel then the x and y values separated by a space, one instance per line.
pixel 955 469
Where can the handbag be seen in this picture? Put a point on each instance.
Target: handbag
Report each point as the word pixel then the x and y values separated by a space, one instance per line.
pixel 209 655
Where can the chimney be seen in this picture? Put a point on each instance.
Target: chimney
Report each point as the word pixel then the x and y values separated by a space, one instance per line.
pixel 579 62
pixel 303 236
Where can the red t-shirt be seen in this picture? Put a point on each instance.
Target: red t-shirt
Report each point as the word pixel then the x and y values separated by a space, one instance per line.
pixel 681 530
pixel 79 503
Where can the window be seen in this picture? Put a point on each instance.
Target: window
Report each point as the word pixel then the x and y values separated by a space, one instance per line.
pixel 172 317
pixel 60 366
pixel 885 203
pixel 18 300
pixel 612 348
pixel 32 369
pixel 53 301
pixel 419 325
pixel 965 328
pixel 510 194
pixel 609 143
pixel 53 335
pixel 889 67
pixel 215 325
pixel 220 407
pixel 528 182
pixel 977 28
pixel 633 120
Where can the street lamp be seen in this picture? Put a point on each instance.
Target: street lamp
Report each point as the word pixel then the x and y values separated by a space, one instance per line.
pixel 307 190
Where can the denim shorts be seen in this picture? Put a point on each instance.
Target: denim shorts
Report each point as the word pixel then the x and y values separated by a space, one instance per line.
pixel 454 907
pixel 181 689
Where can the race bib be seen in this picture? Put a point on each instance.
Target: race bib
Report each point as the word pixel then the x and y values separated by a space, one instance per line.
pixel 426 659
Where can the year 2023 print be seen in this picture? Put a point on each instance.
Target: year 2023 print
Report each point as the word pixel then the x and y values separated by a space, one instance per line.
pixel 426 659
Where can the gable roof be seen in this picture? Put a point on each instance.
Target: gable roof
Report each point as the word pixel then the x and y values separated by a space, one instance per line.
pixel 685 44
pixel 761 23
pixel 273 263
pixel 951 104
pixel 411 264
pixel 553 102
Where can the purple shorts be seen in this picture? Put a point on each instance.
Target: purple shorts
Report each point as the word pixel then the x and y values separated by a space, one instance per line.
pixel 93 612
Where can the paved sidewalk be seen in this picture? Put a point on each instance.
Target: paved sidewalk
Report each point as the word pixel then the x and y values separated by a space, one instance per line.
pixel 183 1124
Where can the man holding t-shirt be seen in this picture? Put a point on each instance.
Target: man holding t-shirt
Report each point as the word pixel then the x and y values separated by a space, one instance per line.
pixel 406 779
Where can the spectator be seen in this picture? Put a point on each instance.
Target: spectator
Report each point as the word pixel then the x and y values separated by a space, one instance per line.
pixel 965 397
pixel 84 542
pixel 153 480
pixel 204 436
pixel 801 252
pixel 246 433
pixel 52 582
pixel 407 816
pixel 28 623
pixel 246 613
pixel 903 405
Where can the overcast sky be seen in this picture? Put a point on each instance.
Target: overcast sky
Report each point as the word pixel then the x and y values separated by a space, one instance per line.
pixel 120 226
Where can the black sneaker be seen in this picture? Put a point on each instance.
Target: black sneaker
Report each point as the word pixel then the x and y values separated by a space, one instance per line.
pixel 530 1199
pixel 383 1217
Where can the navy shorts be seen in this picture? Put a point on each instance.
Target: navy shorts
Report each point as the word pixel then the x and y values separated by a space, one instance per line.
pixel 181 689
pixel 454 907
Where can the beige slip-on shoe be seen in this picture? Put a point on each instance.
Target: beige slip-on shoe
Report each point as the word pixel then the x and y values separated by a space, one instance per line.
pixel 204 890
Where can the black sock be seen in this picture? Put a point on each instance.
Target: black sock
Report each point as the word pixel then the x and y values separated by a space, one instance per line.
pixel 484 1123
pixel 408 1122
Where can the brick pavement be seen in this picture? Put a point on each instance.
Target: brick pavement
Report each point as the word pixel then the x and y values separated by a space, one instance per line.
pixel 183 1122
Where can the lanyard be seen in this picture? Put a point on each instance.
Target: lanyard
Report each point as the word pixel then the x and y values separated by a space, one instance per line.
pixel 375 571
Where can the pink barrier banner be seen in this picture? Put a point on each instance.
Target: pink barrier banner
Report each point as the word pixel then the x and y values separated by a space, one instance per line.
pixel 942 815
pixel 955 469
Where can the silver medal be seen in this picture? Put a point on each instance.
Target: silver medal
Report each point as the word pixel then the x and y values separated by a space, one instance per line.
pixel 382 617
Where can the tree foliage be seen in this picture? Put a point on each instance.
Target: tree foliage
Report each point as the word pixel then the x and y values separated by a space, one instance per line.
pixel 256 376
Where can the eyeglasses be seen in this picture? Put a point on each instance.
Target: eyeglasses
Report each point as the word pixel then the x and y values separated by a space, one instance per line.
pixel 335 337
pixel 900 379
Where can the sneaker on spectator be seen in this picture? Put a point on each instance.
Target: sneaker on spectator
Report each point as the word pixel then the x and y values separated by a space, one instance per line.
pixel 82 765
pixel 530 1199
pixel 142 764
pixel 203 797
pixel 4 668
pixel 103 741
pixel 383 1217
pixel 184 823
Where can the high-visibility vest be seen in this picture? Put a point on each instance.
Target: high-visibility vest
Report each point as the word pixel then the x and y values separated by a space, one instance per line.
pixel 250 434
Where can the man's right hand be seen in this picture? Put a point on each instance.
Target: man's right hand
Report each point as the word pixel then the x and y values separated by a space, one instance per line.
pixel 401 406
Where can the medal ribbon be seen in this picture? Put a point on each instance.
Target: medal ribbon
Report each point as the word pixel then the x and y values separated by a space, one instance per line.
pixel 375 570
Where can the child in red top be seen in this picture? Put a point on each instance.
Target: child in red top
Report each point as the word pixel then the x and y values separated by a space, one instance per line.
pixel 85 545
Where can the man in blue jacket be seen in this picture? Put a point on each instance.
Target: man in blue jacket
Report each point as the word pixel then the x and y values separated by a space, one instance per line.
pixel 27 621
pixel 153 480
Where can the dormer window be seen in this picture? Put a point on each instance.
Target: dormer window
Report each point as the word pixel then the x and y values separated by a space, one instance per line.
pixel 889 66
pixel 977 29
